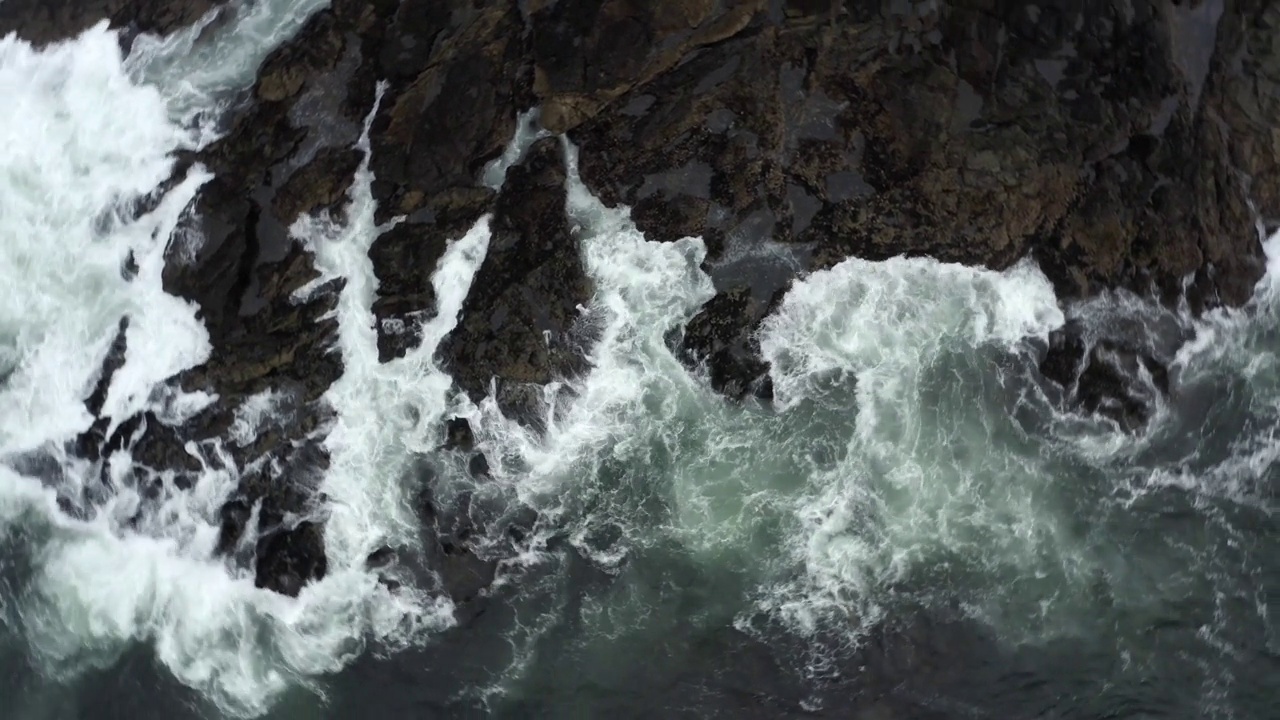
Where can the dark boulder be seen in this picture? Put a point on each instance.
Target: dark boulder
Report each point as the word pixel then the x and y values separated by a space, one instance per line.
pixel 288 558
pixel 380 558
pixel 1109 376
pixel 458 435
pixel 713 338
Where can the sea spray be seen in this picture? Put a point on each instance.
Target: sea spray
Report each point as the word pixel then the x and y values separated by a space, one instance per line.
pixel 141 567
pixel 201 67
pixel 65 163
pixel 385 412
pixel 893 478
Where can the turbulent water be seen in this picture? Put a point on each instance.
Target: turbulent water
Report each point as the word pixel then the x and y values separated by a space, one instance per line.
pixel 915 520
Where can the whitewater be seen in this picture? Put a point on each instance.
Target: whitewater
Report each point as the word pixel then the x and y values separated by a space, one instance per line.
pixel 912 464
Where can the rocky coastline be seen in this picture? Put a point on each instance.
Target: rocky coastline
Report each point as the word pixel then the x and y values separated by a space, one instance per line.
pixel 1130 146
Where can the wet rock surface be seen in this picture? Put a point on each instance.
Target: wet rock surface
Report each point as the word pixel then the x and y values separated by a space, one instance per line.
pixel 276 162
pixel 1118 379
pixel 1114 144
pixel 458 77
pixel 1122 145
pixel 520 326
pixel 713 339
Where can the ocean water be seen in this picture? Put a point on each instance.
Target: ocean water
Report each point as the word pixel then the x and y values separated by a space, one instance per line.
pixel 915 526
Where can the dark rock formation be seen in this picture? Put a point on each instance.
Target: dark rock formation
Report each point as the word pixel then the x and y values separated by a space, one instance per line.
pixel 458 77
pixel 458 435
pixel 288 153
pixel 517 326
pixel 110 364
pixel 1120 144
pixel 287 560
pixel 732 357
pixel 90 443
pixel 1116 379
pixel 456 80
pixel 1117 144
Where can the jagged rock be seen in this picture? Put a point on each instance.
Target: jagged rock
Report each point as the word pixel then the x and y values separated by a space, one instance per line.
pixel 1119 144
pixel 89 444
pixel 289 558
pixel 1107 141
pixel 404 258
pixel 458 77
pixel 320 184
pixel 110 364
pixel 289 151
pixel 517 326
pixel 714 337
pixel 590 52
pixel 1104 376
pixel 458 80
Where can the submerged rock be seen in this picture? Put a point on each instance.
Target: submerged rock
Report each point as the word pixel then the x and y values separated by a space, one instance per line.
pixel 1115 379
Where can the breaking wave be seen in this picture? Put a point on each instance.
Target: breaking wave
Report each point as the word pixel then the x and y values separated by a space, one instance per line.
pixel 913 457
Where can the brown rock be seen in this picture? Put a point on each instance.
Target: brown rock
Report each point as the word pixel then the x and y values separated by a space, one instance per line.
pixel 321 183
pixel 437 129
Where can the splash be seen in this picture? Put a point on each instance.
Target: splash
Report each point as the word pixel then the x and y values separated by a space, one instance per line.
pixel 140 567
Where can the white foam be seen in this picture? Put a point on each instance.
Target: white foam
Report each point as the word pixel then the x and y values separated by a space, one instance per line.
pixel 77 138
pixel 1232 344
pixel 883 320
pixel 1231 336
pixel 643 289
pixel 201 66
pixel 827 540
pixel 923 475
pixel 385 411
pixel 141 568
